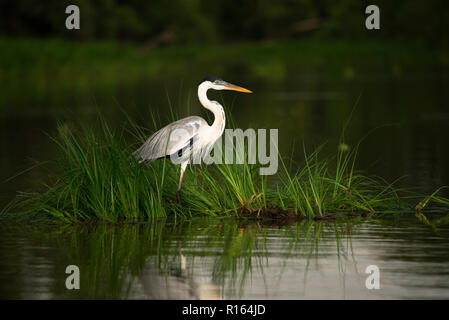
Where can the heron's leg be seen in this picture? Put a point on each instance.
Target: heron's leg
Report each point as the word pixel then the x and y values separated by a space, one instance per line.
pixel 178 192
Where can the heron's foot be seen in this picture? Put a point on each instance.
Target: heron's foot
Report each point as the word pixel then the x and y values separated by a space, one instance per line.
pixel 178 198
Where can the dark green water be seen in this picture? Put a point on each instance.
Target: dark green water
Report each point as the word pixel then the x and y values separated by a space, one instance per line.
pixel 208 258
pixel 212 259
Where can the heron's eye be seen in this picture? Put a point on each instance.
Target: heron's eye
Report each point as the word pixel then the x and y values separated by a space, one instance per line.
pixel 217 82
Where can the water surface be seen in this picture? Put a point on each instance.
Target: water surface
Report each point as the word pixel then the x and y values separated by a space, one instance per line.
pixel 227 259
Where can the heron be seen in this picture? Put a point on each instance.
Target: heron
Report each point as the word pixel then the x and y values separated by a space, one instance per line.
pixel 189 138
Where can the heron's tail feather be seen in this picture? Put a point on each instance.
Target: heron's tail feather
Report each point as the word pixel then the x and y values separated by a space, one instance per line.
pixel 136 156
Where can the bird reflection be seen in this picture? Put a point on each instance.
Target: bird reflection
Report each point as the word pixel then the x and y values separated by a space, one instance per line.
pixel 176 283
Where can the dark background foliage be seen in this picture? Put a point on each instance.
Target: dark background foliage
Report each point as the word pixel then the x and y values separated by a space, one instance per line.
pixel 179 21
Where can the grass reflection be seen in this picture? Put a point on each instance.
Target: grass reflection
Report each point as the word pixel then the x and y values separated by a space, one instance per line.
pixel 201 259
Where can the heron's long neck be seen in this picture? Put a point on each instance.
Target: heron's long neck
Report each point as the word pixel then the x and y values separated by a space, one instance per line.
pixel 216 108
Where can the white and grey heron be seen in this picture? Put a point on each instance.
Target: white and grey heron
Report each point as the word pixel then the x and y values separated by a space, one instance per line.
pixel 191 137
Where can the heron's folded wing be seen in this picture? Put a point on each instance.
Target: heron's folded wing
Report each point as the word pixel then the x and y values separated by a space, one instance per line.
pixel 171 139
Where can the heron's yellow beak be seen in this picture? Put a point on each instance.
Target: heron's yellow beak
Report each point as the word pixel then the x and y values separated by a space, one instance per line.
pixel 229 86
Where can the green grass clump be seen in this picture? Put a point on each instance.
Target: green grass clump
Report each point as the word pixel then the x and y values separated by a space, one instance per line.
pixel 97 180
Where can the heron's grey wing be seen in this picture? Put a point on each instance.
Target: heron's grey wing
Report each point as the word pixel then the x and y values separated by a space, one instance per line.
pixel 176 137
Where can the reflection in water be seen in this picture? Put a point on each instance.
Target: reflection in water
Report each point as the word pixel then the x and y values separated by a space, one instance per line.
pixel 175 283
pixel 226 259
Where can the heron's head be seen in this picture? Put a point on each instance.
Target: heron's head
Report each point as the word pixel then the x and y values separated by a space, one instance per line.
pixel 219 84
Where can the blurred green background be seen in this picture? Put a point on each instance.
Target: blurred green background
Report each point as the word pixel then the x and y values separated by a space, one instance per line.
pixel 308 63
pixel 201 21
